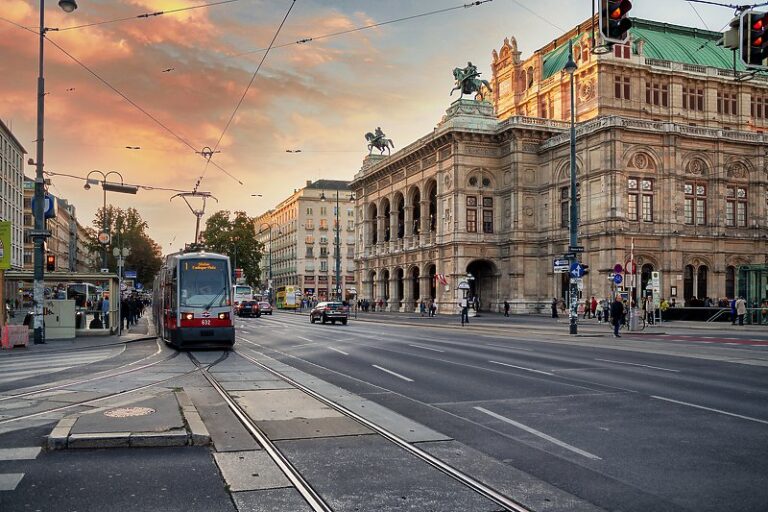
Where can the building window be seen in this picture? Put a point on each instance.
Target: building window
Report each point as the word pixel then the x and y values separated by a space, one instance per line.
pixel 640 205
pixel 657 94
pixel 726 103
pixel 309 239
pixel 695 204
pixel 323 210
pixel 736 206
pixel 323 239
pixel 323 266
pixel 621 88
pixel 350 212
pixel 310 224
pixel 758 107
pixel 323 252
pixel 487 215
pixel 471 214
pixel 309 211
pixel 324 224
pixel 310 252
pixel 693 98
pixel 621 51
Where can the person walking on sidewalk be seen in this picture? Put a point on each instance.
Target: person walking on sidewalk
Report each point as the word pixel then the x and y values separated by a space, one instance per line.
pixel 554 307
pixel 741 309
pixel 733 311
pixel 506 308
pixel 464 305
pixel 617 312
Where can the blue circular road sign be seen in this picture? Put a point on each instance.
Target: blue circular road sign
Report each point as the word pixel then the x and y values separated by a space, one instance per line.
pixel 576 269
pixel 617 279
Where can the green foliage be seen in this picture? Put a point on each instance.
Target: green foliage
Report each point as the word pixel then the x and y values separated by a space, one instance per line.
pixel 129 230
pixel 235 238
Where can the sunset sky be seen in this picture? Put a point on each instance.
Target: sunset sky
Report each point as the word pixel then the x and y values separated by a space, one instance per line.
pixel 320 97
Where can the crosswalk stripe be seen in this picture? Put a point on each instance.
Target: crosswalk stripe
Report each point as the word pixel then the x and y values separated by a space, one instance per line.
pixel 9 481
pixel 28 453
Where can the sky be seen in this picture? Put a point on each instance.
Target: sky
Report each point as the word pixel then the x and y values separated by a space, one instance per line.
pixel 320 96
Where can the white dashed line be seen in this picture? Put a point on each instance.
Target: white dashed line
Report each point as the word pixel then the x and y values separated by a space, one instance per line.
pixel 636 364
pixel 508 347
pixel 540 434
pixel 392 373
pixel 748 418
pixel 339 351
pixel 305 339
pixel 522 368
pixel 426 348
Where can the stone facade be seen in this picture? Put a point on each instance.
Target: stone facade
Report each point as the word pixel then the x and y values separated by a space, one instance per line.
pixel 303 239
pixel 12 191
pixel 487 192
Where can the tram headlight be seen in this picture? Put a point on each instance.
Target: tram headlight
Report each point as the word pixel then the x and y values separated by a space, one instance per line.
pixel 223 316
pixel 188 316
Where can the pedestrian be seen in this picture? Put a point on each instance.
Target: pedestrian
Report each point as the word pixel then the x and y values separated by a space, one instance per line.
pixel 422 308
pixel 506 308
pixel 741 309
pixel 733 311
pixel 606 309
pixel 105 311
pixel 617 313
pixel 593 307
pixel 433 310
pixel 464 305
pixel 587 305
pixel 554 307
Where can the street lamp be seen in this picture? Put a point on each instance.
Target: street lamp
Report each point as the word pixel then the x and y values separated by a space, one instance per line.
pixel 337 243
pixel 112 187
pixel 269 271
pixel 40 233
pixel 570 68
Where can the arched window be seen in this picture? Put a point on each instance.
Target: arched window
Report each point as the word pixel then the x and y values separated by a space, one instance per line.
pixel 645 277
pixel 701 282
pixel 688 283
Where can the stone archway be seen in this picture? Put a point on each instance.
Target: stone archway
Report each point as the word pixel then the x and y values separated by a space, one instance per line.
pixel 485 285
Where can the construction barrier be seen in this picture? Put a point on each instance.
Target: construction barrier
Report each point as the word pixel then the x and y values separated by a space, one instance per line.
pixel 14 336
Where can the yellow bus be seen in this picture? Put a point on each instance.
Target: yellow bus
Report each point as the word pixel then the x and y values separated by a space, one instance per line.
pixel 288 297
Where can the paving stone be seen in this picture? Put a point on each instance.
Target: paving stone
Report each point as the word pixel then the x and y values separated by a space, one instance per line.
pixel 283 404
pixel 302 428
pixel 159 439
pixel 270 500
pixel 250 471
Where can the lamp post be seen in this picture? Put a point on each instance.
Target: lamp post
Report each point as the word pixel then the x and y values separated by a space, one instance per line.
pixel 570 68
pixel 122 188
pixel 269 271
pixel 337 243
pixel 40 233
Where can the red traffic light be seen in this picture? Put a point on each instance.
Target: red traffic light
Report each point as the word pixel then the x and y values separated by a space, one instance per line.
pixel 50 262
pixel 614 21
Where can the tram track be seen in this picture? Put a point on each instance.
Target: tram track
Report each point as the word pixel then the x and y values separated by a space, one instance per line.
pixel 306 490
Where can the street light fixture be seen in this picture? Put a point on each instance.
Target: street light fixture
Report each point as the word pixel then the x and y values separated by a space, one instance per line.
pixel 570 68
pixel 40 233
pixel 111 187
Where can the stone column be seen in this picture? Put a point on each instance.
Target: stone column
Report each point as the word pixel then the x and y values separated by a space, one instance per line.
pixel 424 289
pixel 424 222
pixel 394 300
pixel 380 230
pixel 393 230
pixel 407 301
pixel 408 224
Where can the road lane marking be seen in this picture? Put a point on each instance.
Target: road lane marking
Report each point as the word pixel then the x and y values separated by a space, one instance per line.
pixel 507 346
pixel 636 364
pixel 9 481
pixel 305 339
pixel 748 418
pixel 392 373
pixel 539 434
pixel 426 348
pixel 19 453
pixel 339 351
pixel 523 368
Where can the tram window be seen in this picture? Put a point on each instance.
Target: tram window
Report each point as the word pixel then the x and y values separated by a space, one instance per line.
pixel 204 282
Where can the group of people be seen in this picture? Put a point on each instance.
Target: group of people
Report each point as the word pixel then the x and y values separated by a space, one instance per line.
pixel 366 305
pixel 430 308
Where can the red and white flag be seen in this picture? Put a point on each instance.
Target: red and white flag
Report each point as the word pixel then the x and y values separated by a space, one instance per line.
pixel 440 278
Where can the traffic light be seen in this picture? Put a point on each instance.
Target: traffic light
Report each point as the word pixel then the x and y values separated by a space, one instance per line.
pixel 50 262
pixel 754 39
pixel 614 21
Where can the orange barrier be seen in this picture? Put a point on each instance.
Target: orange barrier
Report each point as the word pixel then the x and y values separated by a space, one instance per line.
pixel 14 336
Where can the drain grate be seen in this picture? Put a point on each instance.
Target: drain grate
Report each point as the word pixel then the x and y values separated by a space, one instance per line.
pixel 127 412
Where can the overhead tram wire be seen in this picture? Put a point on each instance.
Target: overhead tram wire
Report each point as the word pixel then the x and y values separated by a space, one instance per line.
pixel 363 27
pixel 245 92
pixel 143 187
pixel 545 20
pixel 144 16
pixel 122 95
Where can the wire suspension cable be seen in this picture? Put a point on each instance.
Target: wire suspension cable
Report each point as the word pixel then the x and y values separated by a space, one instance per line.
pixel 245 92
pixel 364 27
pixel 144 16
pixel 143 187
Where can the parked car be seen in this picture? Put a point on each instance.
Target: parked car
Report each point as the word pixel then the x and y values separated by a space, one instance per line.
pixel 333 311
pixel 265 308
pixel 248 308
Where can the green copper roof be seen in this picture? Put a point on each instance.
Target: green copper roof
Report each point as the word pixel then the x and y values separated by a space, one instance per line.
pixel 682 44
pixel 662 42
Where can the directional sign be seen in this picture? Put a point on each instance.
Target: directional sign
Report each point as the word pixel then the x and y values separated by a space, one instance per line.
pixel 463 285
pixel 576 269
pixel 617 279
pixel 138 286
pixel 560 265
pixel 48 210
pixel 576 248
pixel 130 274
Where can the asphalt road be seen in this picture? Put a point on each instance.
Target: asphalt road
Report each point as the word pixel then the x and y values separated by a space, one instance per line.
pixel 668 422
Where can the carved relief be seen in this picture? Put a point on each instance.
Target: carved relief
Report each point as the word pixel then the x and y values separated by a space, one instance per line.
pixel 412 169
pixel 481 150
pixel 737 170
pixel 447 182
pixel 696 167
pixel 427 161
pixel 640 161
pixel 445 152
pixel 587 90
pixel 507 177
pixel 529 176
pixel 528 209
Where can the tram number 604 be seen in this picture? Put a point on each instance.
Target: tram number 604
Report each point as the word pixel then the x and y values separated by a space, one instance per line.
pixel 206 322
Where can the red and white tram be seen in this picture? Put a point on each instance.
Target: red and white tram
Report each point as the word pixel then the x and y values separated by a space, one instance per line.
pixel 193 300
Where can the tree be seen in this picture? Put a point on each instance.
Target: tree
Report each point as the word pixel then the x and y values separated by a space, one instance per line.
pixel 236 239
pixel 127 229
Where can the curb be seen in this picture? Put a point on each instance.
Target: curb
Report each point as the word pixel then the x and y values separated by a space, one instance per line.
pixel 195 433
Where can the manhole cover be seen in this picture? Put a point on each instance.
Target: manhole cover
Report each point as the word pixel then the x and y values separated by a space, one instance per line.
pixel 127 412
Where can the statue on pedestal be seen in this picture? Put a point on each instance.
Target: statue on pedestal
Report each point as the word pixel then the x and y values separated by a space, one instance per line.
pixel 467 81
pixel 379 141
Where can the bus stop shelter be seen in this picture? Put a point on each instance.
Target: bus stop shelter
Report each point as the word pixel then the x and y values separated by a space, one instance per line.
pixel 17 289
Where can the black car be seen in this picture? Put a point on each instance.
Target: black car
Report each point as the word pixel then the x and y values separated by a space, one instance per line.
pixel 248 308
pixel 333 311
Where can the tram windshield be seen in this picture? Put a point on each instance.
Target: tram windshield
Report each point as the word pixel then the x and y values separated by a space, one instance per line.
pixel 204 283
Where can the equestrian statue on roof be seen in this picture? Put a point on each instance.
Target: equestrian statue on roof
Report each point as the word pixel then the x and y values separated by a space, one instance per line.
pixel 467 81
pixel 379 141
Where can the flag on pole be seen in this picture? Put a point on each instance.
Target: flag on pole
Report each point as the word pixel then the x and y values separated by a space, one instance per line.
pixel 440 278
